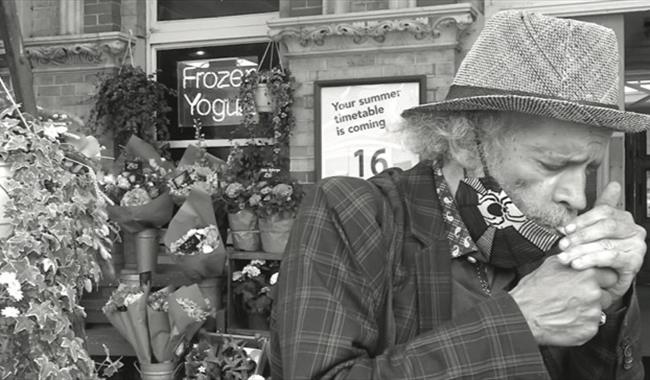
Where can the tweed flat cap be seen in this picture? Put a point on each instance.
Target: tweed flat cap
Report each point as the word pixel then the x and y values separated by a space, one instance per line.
pixel 558 68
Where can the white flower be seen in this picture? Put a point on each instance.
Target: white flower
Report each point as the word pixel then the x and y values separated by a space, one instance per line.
pixel 207 249
pixel 274 278
pixel 123 182
pixel 256 377
pixel 237 275
pixel 53 132
pixel 8 278
pixel 132 298
pixel 109 179
pixel 251 271
pixel 201 369
pixel 258 262
pixel 13 285
pixel 10 312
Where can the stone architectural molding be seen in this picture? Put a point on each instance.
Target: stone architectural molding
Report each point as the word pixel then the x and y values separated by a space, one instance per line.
pixel 78 49
pixel 420 22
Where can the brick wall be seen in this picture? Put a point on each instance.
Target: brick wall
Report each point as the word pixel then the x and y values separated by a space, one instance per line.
pixel 102 15
pixel 438 65
pixel 69 91
pixel 42 18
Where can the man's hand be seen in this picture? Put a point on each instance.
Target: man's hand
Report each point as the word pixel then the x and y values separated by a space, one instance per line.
pixel 562 305
pixel 605 237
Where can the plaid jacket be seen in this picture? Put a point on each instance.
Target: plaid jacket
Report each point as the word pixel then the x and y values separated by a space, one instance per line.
pixel 365 293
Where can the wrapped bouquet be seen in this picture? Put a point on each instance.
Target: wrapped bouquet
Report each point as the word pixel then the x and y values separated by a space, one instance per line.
pixel 193 238
pixel 139 191
pixel 158 325
pixel 196 169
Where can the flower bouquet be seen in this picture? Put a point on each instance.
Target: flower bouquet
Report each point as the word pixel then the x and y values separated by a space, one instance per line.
pixel 227 357
pixel 139 191
pixel 196 169
pixel 158 325
pixel 126 309
pixel 194 241
pixel 252 286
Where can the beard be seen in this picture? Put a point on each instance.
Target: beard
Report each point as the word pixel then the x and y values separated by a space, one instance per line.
pixel 530 199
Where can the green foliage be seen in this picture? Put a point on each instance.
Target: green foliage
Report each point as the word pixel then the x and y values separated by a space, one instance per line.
pixel 280 122
pixel 60 230
pixel 129 101
pixel 225 361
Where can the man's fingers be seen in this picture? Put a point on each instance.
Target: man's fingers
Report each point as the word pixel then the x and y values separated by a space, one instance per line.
pixel 610 195
pixel 602 229
pixel 606 277
pixel 604 208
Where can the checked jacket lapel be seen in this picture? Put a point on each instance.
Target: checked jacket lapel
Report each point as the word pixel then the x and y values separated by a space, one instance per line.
pixel 426 249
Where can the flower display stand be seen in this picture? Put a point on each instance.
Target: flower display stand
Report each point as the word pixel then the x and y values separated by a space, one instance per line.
pixel 237 321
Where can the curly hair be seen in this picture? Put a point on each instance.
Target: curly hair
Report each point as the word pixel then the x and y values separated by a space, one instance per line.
pixel 442 136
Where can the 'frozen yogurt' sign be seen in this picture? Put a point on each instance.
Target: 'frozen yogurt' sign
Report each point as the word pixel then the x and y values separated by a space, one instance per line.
pixel 208 90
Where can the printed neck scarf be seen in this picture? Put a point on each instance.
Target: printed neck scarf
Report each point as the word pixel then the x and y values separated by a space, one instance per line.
pixel 502 232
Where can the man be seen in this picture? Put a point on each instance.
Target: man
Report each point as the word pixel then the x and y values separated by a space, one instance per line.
pixel 475 263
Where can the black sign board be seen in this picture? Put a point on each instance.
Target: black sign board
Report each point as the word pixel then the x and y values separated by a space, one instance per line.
pixel 208 90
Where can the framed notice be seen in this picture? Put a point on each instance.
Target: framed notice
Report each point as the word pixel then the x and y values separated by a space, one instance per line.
pixel 358 125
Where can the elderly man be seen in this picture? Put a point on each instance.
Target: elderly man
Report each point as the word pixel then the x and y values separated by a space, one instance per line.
pixel 479 262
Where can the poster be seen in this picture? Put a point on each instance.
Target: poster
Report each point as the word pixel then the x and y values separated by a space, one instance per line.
pixel 360 128
pixel 208 90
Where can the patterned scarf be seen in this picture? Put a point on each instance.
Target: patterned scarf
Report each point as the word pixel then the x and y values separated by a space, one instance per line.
pixel 491 227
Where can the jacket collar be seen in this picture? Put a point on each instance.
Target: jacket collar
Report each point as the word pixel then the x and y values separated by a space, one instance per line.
pixel 423 210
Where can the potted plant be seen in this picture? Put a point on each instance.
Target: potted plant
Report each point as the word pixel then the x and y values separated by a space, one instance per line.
pixel 252 287
pixel 276 203
pixel 226 357
pixel 130 102
pixel 59 240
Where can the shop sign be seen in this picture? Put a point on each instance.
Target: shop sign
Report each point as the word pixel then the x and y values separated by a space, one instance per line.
pixel 360 128
pixel 208 90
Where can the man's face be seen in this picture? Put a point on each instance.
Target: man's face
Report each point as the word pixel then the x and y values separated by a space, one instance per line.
pixel 543 166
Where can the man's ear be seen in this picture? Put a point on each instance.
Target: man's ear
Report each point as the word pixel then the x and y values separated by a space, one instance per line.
pixel 466 156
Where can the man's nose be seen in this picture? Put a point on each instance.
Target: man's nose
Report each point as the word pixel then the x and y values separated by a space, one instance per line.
pixel 570 190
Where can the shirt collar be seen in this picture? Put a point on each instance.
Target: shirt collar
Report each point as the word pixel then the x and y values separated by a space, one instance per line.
pixel 458 236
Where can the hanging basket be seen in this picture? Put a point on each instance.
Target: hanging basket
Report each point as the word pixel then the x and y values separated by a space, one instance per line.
pixel 5 223
pixel 263 98
pixel 274 233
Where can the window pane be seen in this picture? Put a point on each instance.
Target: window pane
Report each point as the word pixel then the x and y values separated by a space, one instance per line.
pixel 190 9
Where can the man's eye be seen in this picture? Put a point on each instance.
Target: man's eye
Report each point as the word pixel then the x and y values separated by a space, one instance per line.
pixel 551 167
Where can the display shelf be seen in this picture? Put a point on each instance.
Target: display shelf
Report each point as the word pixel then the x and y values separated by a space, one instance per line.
pixel 256 255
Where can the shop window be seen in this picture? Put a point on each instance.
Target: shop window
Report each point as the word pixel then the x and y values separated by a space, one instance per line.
pixel 210 91
pixel 169 10
pixel 306 7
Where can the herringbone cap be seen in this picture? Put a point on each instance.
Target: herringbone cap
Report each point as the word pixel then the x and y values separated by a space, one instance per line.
pixel 541 65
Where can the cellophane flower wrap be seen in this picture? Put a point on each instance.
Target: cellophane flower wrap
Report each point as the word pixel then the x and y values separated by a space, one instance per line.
pixel 141 197
pixel 157 325
pixel 126 309
pixel 196 169
pixel 193 238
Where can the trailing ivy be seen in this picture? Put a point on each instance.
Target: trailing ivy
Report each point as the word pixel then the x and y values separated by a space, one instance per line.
pixel 279 123
pixel 60 230
pixel 128 101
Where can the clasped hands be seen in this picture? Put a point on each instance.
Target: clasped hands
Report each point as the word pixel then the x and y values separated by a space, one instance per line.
pixel 601 254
